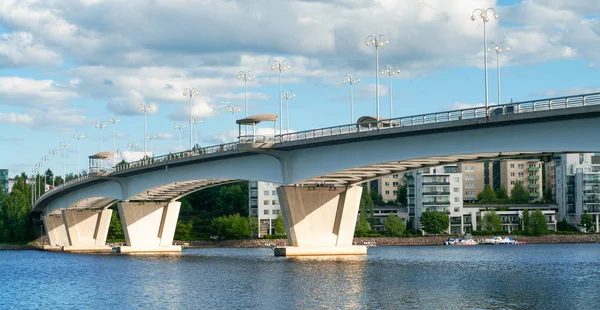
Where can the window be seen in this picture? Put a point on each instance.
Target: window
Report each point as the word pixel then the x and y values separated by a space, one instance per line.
pixel 456 209
pixel 470 185
pixel 387 183
pixel 521 166
pixel 266 212
pixel 456 179
pixel 274 193
pixel 276 211
pixel 469 168
pixel 387 192
pixel 266 193
pixel 274 202
pixel 469 177
pixel 456 189
pixel 521 174
pixel 456 199
pixel 512 182
pixel 266 202
pixel 512 174
pixel 395 184
pixel 395 176
pixel 395 193
pixel 512 166
pixel 470 194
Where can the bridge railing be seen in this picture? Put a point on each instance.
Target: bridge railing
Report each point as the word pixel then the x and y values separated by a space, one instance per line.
pixel 79 179
pixel 449 116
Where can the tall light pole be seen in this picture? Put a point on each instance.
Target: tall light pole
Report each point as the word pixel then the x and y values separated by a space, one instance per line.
pixel 132 145
pixel 53 152
pixel 151 137
pixel 280 66
pixel 246 76
pixel 44 160
pixel 390 71
pixel 483 14
pixel 114 120
pixel 78 136
pixel 34 189
pixel 145 108
pixel 351 79
pixel 377 40
pixel 499 47
pixel 190 92
pixel 231 109
pixel 179 127
pixel 64 145
pixel 288 95
pixel 100 125
pixel 196 121
pixel 38 165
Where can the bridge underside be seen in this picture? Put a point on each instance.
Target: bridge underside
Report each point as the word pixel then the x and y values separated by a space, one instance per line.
pixel 176 190
pixel 367 173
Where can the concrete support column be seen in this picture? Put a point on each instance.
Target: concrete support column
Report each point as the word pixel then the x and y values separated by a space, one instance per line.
pixel 87 229
pixel 56 231
pixel 597 215
pixel 149 226
pixel 319 220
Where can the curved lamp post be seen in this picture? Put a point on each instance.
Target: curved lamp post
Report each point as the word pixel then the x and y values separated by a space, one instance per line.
pixel 376 40
pixel 53 152
pixel 288 95
pixel 390 71
pixel 145 108
pixel 64 145
pixel 179 127
pixel 132 145
pixel 151 137
pixel 114 120
pixel 44 160
pixel 233 110
pixel 100 125
pixel 280 66
pixel 351 79
pixel 499 47
pixel 483 14
pixel 190 92
pixel 196 121
pixel 77 137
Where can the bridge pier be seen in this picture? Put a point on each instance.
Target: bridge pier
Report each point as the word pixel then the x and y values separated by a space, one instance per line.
pixel 319 220
pixel 149 227
pixel 56 231
pixel 78 230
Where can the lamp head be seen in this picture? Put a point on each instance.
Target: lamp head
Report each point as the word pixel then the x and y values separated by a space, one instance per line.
pixel 496 16
pixel 507 48
pixel 473 18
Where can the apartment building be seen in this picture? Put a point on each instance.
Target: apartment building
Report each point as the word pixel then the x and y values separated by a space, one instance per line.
pixel 475 176
pixel 577 185
pixel 263 205
pixel 549 179
pixel 437 189
pixel 387 187
pixel 473 213
pixel 527 171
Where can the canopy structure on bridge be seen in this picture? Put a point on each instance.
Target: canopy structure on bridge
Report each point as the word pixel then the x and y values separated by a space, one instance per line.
pixel 253 121
pixel 367 173
pixel 371 122
pixel 98 162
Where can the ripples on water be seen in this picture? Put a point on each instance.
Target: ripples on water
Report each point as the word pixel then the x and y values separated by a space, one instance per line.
pixel 554 276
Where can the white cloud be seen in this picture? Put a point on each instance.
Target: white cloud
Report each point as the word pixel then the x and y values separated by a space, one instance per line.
pixel 165 136
pixel 463 105
pixel 30 92
pixel 16 119
pixel 19 49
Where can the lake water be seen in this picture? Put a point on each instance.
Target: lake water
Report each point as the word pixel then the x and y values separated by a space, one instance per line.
pixel 551 276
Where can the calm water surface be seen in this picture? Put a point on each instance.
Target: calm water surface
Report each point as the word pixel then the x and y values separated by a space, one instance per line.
pixel 565 276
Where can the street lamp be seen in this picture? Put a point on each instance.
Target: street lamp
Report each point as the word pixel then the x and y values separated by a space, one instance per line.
pixel 190 93
pixel 196 121
pixel 377 40
pixel 78 137
pixel 35 187
pixel 64 146
pixel 53 152
pixel 483 14
pixel 499 47
pixel 38 165
pixel 288 95
pixel 151 137
pixel 145 108
pixel 390 71
pixel 179 127
pixel 233 110
pixel 351 79
pixel 100 125
pixel 114 120
pixel 45 159
pixel 246 76
pixel 132 145
pixel 281 66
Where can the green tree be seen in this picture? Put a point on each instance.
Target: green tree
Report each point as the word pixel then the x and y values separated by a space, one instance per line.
pixel 434 222
pixel 183 230
pixel 394 226
pixel 367 206
pixel 362 225
pixel 279 225
pixel 501 193
pixel 375 198
pixel 587 222
pixel 519 194
pixel 16 217
pixel 525 221
pixel 230 226
pixel 487 195
pixel 401 197
pixel 491 221
pixel 538 224
pixel 115 229
pixel 548 195
pixel 186 207
pixel 122 162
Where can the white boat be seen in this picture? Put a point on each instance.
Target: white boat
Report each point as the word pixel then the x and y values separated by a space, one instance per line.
pixel 499 240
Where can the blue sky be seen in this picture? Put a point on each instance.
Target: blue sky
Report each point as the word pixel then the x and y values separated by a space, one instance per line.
pixel 64 65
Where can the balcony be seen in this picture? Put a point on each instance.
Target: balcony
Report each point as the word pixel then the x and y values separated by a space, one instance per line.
pixel 436 182
pixel 436 203
pixel 532 186
pixel 533 169
pixel 534 177
pixel 436 193
pixel 534 195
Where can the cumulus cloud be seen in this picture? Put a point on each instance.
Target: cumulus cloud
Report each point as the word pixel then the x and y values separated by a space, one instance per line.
pixel 16 119
pixel 463 105
pixel 19 49
pixel 31 92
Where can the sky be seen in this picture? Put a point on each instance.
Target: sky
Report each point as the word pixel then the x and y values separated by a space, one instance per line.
pixel 67 64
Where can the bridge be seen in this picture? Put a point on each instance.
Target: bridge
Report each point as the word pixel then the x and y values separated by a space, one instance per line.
pixel 321 171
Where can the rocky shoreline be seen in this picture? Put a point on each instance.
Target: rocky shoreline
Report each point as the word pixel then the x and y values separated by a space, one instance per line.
pixel 386 241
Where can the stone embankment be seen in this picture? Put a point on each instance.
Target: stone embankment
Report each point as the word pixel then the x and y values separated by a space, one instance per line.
pixel 16 247
pixel 384 241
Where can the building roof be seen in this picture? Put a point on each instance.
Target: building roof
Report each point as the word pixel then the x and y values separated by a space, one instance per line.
pixel 255 119
pixel 101 155
pixel 366 121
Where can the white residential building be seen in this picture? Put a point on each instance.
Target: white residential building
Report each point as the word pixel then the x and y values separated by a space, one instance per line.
pixel 264 205
pixel 387 186
pixel 577 186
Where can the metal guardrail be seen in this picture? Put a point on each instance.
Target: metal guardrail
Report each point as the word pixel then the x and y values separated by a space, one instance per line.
pixel 382 124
